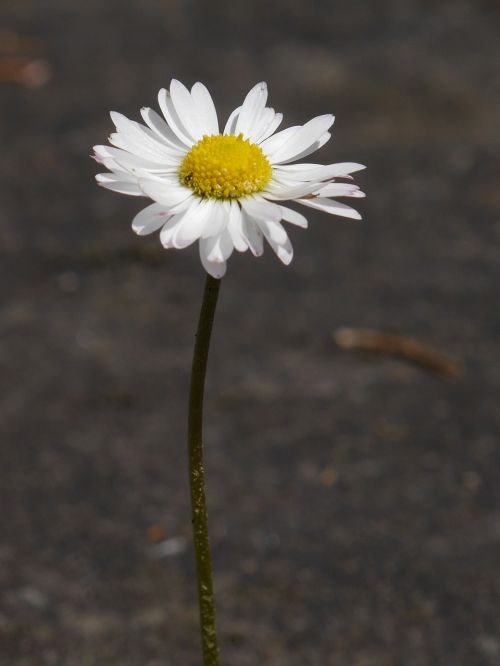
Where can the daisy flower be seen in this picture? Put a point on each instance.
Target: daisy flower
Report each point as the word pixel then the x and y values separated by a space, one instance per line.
pixel 224 189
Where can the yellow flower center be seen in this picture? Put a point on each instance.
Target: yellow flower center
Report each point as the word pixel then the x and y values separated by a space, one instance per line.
pixel 225 167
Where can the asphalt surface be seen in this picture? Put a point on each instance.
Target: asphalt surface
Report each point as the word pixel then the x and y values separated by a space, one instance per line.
pixel 354 499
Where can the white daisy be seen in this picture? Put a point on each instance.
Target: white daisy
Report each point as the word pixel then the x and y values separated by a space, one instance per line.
pixel 226 189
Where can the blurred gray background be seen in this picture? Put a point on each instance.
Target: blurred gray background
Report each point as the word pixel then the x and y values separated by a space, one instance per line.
pixel 354 499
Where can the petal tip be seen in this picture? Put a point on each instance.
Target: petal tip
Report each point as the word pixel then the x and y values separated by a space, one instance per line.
pixel 175 84
pixel 163 93
pixel 115 117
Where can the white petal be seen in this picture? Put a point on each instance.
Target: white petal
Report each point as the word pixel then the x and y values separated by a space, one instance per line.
pixel 312 149
pixel 278 239
pixel 160 128
pixel 307 136
pixel 192 224
pixel 235 227
pixel 316 172
pixel 217 219
pixel 169 229
pixel 346 168
pixel 252 234
pixel 271 128
pixel 113 177
pixel 340 190
pixel 277 141
pixel 281 192
pixel 128 161
pixel 283 251
pixel 206 109
pixel 121 183
pixel 293 217
pixel 215 269
pixel 251 109
pixel 261 209
pixel 133 146
pixel 220 247
pixel 103 156
pixel 150 219
pixel 291 168
pixel 260 125
pixel 331 206
pixel 230 127
pixel 272 230
pixel 170 235
pixel 165 193
pixel 186 109
pixel 141 139
pixel 172 118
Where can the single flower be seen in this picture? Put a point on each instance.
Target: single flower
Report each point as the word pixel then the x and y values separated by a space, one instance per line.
pixel 226 189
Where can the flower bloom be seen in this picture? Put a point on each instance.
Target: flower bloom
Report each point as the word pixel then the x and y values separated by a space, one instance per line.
pixel 226 189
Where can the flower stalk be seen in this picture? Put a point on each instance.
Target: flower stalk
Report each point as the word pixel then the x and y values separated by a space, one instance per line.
pixel 197 474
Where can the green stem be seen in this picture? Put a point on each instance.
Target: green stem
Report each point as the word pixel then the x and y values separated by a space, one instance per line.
pixel 197 475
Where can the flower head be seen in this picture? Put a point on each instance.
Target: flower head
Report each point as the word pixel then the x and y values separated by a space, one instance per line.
pixel 226 189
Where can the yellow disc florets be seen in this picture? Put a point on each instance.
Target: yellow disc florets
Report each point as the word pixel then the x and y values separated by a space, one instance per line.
pixel 225 167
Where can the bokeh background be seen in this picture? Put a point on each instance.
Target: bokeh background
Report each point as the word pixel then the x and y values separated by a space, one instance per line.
pixel 354 499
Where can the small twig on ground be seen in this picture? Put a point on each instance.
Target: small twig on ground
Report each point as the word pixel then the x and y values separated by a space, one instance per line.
pixel 20 62
pixel 24 71
pixel 398 345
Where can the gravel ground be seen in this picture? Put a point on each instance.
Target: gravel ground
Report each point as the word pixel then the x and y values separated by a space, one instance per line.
pixel 355 503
